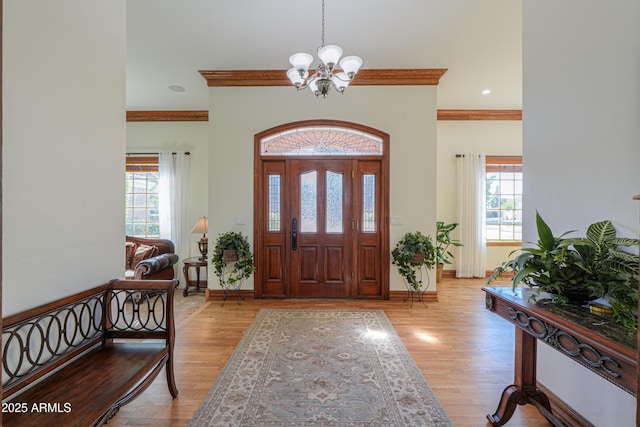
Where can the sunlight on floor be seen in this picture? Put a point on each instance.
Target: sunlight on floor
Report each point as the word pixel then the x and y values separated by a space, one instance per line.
pixel 428 338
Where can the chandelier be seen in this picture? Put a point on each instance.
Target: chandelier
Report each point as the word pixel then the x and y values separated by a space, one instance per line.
pixel 326 75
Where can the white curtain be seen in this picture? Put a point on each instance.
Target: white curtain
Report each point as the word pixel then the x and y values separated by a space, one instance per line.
pixel 471 215
pixel 174 202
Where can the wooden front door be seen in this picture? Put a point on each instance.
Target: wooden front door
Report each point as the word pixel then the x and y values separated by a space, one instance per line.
pixel 321 221
pixel 321 228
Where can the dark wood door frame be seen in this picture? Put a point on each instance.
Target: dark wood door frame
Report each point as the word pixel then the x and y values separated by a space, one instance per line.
pixel 270 278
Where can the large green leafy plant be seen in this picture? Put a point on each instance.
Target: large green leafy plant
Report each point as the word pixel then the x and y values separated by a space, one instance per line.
pixel 611 272
pixel 593 266
pixel 548 266
pixel 242 267
pixel 404 256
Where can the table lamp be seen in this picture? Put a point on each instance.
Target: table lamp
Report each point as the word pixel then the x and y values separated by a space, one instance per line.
pixel 202 226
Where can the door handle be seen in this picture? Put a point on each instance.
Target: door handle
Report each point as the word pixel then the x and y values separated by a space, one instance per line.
pixel 294 234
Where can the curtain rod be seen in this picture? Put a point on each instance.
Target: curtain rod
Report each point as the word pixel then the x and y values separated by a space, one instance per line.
pixel 492 155
pixel 152 154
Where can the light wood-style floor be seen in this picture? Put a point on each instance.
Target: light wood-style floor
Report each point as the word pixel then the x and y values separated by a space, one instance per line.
pixel 464 351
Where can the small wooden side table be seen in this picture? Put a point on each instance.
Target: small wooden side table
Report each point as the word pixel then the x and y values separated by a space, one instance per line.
pixel 200 285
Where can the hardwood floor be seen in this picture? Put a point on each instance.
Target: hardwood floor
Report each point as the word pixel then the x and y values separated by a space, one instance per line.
pixel 464 351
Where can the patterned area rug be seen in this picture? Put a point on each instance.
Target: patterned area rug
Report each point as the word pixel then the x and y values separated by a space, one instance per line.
pixel 320 368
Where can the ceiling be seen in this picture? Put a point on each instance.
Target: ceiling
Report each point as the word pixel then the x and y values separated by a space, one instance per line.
pixel 168 41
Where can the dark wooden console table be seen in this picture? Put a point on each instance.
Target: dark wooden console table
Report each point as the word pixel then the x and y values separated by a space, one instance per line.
pixel 608 350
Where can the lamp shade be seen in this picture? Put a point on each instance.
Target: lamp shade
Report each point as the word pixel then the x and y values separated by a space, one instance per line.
pixel 301 62
pixel 330 55
pixel 341 81
pixel 295 76
pixel 202 226
pixel 351 65
pixel 313 86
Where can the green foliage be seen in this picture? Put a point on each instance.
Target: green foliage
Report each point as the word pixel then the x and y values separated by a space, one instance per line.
pixel 611 272
pixel 402 256
pixel 243 267
pixel 549 265
pixel 595 265
pixel 444 240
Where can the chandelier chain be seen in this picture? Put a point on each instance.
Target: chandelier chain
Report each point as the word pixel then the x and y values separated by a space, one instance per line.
pixel 322 45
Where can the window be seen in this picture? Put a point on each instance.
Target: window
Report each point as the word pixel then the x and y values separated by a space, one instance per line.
pixel 333 206
pixel 369 203
pixel 309 202
pixel 141 197
pixel 274 203
pixel 321 141
pixel 504 199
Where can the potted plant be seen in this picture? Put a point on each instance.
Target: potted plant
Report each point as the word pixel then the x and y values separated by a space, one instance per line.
pixel 580 269
pixel 443 242
pixel 612 273
pixel 242 258
pixel 413 251
pixel 550 266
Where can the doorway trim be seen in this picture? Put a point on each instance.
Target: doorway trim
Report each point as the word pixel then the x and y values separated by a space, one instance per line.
pixel 259 220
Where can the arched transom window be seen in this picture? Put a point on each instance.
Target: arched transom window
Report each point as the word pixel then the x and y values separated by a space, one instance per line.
pixel 321 141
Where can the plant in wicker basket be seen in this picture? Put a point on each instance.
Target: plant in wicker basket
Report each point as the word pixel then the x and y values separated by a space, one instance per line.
pixel 242 259
pixel 412 251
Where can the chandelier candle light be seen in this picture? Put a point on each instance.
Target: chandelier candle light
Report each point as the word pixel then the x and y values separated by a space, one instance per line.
pixel 326 76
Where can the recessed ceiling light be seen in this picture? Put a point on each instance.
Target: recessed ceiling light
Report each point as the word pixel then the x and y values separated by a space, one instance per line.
pixel 177 88
pixel 486 91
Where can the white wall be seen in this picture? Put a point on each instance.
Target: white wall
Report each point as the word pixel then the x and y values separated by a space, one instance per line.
pixel 581 148
pixel 63 145
pixel 407 113
pixel 493 138
pixel 153 137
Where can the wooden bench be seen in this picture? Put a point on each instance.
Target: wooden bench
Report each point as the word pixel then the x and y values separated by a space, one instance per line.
pixel 76 361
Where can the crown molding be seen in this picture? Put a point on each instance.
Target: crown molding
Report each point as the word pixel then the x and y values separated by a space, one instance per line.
pixel 479 114
pixel 168 116
pixel 375 77
pixel 203 115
